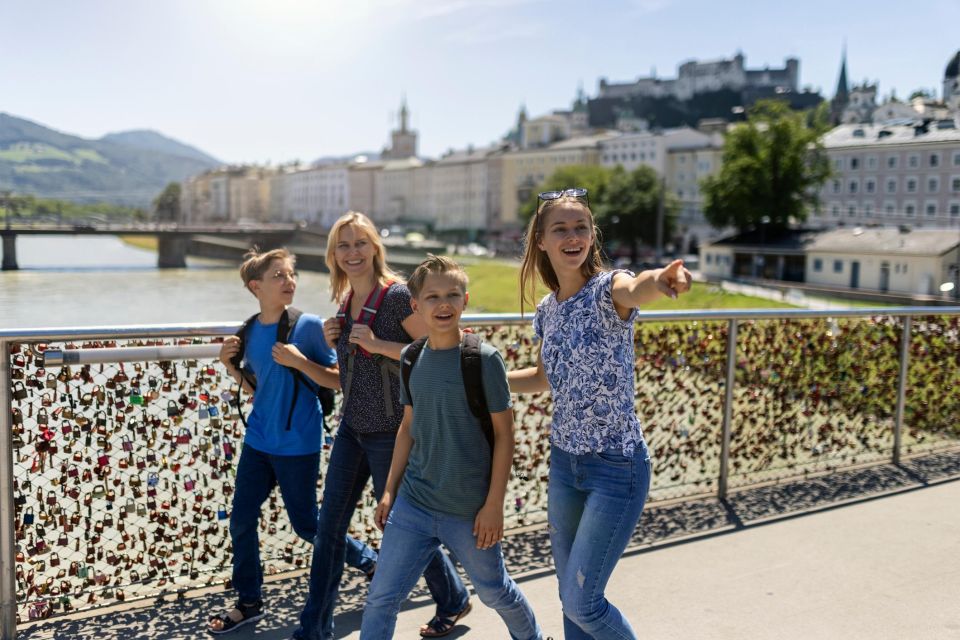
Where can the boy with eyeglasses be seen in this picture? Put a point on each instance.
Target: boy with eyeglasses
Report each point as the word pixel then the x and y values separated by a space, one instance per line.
pixel 284 434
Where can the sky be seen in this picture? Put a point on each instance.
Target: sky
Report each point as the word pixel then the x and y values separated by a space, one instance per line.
pixel 283 80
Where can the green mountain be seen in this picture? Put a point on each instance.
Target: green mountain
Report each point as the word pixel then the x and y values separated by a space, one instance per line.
pixel 129 168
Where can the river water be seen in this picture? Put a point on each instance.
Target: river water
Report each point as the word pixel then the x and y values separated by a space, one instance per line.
pixel 69 281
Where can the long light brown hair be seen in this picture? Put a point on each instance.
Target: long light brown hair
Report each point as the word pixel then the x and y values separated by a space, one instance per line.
pixel 339 284
pixel 536 263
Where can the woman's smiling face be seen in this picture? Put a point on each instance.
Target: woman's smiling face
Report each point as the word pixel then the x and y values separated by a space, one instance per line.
pixel 566 235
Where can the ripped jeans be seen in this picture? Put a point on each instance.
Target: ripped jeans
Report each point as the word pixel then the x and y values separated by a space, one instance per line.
pixel 595 502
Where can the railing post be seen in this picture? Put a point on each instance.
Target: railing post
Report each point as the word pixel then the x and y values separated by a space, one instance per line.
pixel 727 408
pixel 902 386
pixel 8 541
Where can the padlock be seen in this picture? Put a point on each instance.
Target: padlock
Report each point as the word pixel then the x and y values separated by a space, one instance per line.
pixel 28 516
pixel 214 411
pixel 126 443
pixel 188 483
pixel 46 400
pixel 184 436
pixel 227 448
pixel 172 409
pixel 222 512
pixel 103 459
pixel 19 391
pixel 153 479
pixel 42 417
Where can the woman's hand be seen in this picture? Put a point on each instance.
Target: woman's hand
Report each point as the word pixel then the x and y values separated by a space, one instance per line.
pixel 383 510
pixel 363 336
pixel 331 331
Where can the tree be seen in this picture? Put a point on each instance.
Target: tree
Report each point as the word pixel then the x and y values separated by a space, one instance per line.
pixel 773 167
pixel 628 212
pixel 166 206
pixel 593 178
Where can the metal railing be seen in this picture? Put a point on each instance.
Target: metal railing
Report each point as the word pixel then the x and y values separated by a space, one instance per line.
pixel 118 444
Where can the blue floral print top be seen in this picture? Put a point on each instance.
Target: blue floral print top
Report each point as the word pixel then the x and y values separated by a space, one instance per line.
pixel 589 359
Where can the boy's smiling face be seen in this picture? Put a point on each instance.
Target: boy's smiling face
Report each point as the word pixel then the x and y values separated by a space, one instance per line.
pixel 441 302
pixel 277 285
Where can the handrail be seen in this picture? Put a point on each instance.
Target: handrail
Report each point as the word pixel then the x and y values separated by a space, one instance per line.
pixel 228 327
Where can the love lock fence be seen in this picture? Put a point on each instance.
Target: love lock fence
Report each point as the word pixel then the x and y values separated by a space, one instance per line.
pixel 118 445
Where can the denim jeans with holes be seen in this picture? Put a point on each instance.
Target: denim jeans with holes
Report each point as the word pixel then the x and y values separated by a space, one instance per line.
pixel 595 502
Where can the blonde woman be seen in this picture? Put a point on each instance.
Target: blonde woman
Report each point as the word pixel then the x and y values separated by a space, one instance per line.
pixel 375 322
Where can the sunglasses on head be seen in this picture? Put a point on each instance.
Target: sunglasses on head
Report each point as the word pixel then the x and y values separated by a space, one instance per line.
pixel 574 192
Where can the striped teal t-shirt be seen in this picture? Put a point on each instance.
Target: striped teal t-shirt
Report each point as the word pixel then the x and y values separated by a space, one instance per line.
pixel 449 466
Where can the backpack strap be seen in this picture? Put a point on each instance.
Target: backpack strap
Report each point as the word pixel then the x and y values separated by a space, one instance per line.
pixel 407 361
pixel 388 367
pixel 237 361
pixel 471 366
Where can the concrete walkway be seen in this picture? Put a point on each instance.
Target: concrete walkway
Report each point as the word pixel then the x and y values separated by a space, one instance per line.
pixel 871 553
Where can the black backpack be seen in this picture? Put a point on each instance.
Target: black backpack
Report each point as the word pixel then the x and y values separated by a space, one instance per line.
pixel 288 321
pixel 470 367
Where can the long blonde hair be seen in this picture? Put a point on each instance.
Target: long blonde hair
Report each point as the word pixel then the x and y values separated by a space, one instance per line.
pixel 536 263
pixel 339 284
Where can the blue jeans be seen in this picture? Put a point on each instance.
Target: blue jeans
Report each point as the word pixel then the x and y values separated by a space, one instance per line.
pixel 595 501
pixel 354 459
pixel 257 474
pixel 412 535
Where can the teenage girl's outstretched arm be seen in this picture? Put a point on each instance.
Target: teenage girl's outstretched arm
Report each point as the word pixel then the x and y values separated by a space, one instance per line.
pixel 649 285
pixel 529 380
pixel 401 453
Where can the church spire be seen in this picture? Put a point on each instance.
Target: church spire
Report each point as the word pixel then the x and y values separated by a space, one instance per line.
pixel 404 114
pixel 843 88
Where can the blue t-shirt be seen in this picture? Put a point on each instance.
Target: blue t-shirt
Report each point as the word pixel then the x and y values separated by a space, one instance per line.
pixel 267 422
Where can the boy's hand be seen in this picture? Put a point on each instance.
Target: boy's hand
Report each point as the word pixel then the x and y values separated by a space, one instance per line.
pixel 363 336
pixel 488 525
pixel 383 510
pixel 331 331
pixel 287 355
pixel 230 348
pixel 673 279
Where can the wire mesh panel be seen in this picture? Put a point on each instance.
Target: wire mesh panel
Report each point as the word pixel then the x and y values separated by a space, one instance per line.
pixel 679 384
pixel 813 395
pixel 123 481
pixel 932 410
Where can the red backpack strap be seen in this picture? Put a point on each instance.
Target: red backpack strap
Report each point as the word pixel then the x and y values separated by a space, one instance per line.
pixel 344 310
pixel 368 312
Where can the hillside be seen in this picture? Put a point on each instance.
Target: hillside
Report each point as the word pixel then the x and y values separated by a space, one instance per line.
pixel 127 168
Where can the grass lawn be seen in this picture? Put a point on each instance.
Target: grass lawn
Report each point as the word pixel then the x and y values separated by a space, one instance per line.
pixel 494 287
pixel 148 243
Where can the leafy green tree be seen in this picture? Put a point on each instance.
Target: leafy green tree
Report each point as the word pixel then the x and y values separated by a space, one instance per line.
pixel 166 206
pixel 773 167
pixel 593 178
pixel 628 212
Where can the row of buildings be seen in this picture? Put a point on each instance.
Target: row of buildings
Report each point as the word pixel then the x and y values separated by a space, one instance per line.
pixel 899 170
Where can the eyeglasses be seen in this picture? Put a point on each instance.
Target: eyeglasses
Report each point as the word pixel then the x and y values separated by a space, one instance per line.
pixel 573 192
pixel 280 275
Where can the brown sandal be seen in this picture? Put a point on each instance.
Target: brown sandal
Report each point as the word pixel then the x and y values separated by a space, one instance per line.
pixel 439 627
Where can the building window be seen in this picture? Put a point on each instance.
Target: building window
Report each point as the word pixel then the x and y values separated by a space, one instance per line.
pixel 851 210
pixel 868 209
pixel 853 186
pixel 934 159
pixel 910 210
pixel 871 185
pixel 836 186
pixel 911 185
pixel 835 211
pixel 709 258
pixel 838 266
pixel 933 185
pixel 838 164
pixel 913 161
pixel 956 158
pixel 889 208
pixel 872 162
pixel 892 162
pixel 854 163
pixel 955 184
pixel 931 209
pixel 817 264
pixel 954 209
